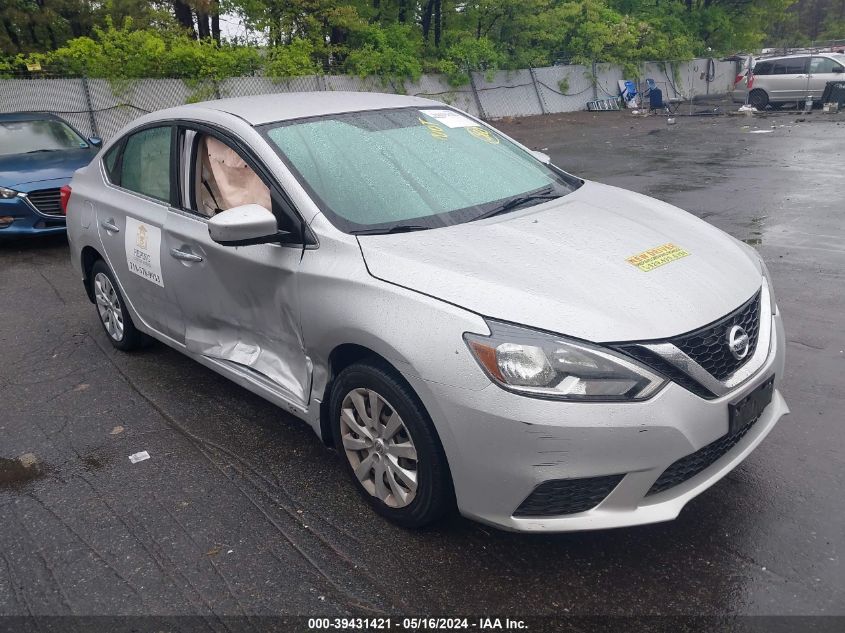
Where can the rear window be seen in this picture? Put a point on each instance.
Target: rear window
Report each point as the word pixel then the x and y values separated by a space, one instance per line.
pixel 145 163
pixel 110 161
pixel 41 135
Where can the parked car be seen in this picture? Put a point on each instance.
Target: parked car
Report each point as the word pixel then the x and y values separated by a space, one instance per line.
pixel 38 155
pixel 793 78
pixel 465 322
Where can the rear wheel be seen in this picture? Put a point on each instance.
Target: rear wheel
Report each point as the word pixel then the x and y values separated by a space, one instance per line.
pixel 758 98
pixel 112 311
pixel 389 445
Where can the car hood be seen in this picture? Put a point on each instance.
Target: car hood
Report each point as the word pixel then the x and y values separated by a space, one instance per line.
pixel 561 266
pixel 18 169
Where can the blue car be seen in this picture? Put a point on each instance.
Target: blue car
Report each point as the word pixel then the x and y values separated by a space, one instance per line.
pixel 38 155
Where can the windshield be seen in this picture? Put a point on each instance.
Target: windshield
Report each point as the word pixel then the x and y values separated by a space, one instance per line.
pixel 41 135
pixel 409 167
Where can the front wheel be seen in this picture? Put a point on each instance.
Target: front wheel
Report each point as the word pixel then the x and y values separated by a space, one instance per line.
pixel 112 311
pixel 389 445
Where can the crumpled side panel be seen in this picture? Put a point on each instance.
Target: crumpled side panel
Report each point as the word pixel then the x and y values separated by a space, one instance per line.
pixel 249 350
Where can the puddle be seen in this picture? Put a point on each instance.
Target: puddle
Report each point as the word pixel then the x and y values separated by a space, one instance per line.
pixel 16 472
pixel 755 236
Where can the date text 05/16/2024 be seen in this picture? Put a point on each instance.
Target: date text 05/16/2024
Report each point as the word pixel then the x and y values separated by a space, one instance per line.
pixel 416 624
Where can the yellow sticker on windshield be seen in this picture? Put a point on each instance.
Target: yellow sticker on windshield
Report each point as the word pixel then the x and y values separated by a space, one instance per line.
pixel 435 130
pixel 484 135
pixel 657 256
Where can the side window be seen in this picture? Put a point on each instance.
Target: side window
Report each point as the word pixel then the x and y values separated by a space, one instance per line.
pixel 111 163
pixel 795 66
pixel 222 179
pixel 763 68
pixel 819 65
pixel 145 165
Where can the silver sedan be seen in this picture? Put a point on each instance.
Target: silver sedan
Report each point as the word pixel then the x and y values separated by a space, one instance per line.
pixel 467 324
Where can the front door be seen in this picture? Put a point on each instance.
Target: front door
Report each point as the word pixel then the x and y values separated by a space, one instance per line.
pixel 130 220
pixel 239 305
pixel 822 70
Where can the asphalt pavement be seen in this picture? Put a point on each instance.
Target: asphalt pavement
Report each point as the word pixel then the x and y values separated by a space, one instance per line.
pixel 240 509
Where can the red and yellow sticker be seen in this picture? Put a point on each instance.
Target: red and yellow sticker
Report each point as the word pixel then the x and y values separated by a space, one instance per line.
pixel 657 256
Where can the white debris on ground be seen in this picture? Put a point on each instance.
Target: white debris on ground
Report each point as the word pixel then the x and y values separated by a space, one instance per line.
pixel 139 457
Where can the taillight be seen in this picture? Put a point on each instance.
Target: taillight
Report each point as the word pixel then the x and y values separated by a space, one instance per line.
pixel 64 197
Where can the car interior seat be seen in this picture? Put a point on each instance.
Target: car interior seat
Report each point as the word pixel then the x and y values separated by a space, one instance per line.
pixel 226 180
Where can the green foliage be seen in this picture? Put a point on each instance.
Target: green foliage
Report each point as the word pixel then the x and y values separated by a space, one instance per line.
pixel 127 53
pixel 467 55
pixel 292 60
pixel 392 39
pixel 563 85
pixel 387 52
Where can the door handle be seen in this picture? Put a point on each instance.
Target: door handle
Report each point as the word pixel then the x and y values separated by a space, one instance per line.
pixel 109 225
pixel 184 256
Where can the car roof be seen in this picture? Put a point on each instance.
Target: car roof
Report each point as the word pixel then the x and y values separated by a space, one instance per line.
pixel 269 108
pixel 29 116
pixel 794 55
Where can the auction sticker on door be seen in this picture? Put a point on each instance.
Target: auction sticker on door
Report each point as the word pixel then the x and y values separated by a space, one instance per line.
pixel 143 250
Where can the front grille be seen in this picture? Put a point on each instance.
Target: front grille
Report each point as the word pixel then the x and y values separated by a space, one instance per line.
pixel 567 496
pixel 708 346
pixel 667 369
pixel 47 201
pixel 689 466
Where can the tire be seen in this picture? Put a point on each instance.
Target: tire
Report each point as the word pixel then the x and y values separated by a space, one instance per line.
pixel 402 428
pixel 758 98
pixel 111 310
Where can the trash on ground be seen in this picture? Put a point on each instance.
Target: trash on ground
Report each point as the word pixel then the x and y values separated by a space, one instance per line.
pixel 116 430
pixel 20 470
pixel 139 457
pixel 760 131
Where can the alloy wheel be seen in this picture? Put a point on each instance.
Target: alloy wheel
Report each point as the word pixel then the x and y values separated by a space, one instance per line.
pixel 379 447
pixel 108 306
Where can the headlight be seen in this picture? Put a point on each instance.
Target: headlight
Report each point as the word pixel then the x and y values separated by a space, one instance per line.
pixel 549 366
pixel 5 192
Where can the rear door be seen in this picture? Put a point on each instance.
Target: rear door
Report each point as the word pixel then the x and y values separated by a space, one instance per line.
pixel 822 70
pixel 788 81
pixel 130 219
pixel 238 305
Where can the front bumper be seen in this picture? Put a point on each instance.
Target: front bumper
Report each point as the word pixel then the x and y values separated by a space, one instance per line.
pixel 501 446
pixel 19 218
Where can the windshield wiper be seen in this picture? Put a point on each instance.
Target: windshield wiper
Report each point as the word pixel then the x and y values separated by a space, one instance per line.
pixel 35 151
pixel 399 228
pixel 542 194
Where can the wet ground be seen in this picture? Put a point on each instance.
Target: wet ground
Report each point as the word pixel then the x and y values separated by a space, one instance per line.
pixel 240 509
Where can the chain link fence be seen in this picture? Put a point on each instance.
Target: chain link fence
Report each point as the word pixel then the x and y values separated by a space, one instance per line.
pixel 100 107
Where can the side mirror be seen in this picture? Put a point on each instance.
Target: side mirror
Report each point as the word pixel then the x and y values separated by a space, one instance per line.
pixel 245 225
pixel 96 141
pixel 838 69
pixel 542 157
